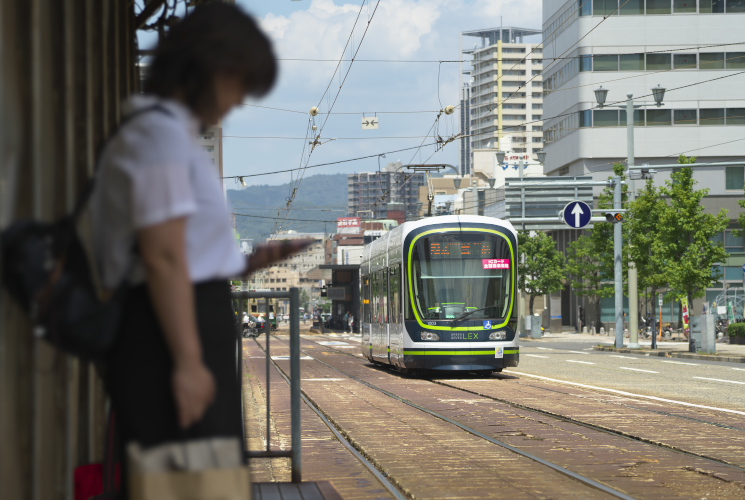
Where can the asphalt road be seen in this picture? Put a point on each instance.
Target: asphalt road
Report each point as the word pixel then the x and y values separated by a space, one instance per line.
pixel 700 382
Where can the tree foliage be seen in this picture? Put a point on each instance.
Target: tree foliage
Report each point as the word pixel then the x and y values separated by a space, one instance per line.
pixel 542 268
pixel 682 250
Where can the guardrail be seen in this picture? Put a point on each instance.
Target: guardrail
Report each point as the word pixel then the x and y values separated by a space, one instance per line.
pixel 294 453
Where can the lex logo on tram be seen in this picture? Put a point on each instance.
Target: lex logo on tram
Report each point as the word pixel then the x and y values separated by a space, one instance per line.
pixel 440 294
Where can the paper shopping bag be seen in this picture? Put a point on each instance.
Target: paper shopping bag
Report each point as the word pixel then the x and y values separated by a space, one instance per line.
pixel 188 471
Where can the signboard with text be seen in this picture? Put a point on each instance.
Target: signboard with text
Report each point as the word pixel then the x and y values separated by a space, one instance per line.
pixel 348 222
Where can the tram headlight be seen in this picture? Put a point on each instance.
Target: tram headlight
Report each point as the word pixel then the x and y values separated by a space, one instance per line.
pixel 498 335
pixel 430 336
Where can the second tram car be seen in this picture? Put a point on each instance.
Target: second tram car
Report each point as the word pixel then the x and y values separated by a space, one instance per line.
pixel 439 294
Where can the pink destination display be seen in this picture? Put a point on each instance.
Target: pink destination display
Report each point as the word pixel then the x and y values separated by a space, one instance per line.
pixel 496 263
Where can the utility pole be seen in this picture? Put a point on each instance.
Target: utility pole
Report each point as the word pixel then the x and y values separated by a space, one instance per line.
pixel 633 292
pixel 617 260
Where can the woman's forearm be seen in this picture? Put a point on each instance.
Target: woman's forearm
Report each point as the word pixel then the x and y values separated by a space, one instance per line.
pixel 172 294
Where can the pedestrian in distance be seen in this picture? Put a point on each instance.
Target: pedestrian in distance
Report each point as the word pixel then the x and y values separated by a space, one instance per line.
pixel 160 223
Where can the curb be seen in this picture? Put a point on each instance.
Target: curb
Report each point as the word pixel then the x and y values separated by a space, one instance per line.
pixel 674 354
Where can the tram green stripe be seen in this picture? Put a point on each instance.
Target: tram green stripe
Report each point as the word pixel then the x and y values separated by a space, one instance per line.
pixel 512 351
pixel 450 353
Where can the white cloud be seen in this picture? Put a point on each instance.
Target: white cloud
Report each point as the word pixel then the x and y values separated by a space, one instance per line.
pixel 397 31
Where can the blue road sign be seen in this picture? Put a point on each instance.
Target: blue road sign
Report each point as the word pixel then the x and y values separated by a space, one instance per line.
pixel 577 214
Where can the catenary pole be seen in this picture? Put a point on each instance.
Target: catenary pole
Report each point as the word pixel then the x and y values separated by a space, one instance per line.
pixel 633 291
pixel 617 253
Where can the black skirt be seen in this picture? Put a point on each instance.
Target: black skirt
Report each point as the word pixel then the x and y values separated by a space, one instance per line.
pixel 139 371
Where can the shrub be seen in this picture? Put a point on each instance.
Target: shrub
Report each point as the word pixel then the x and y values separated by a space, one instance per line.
pixel 736 330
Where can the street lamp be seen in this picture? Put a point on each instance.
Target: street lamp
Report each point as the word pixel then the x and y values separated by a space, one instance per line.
pixel 541 155
pixel 456 182
pixel 500 157
pixel 658 93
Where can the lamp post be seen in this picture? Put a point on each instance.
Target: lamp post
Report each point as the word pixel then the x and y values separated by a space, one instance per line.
pixel 658 93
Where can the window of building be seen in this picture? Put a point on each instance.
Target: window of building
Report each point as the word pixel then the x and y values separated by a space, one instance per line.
pixel 536 72
pixel 711 6
pixel 537 139
pixel 605 118
pixel 638 117
pixel 736 116
pixel 684 61
pixel 658 6
pixel 632 7
pixel 585 118
pixel 656 62
pixel 735 6
pixel 536 95
pixel 604 7
pixel 537 117
pixel 537 106
pixel 685 116
pixel 585 7
pixel 585 63
pixel 538 128
pixel 605 63
pixel 734 178
pixel 536 84
pixel 711 60
pixel 632 62
pixel 735 60
pixel 711 117
pixel 658 117
pixel 733 273
pixel 684 6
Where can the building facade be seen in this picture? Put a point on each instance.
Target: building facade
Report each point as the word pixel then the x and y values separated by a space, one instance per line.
pixel 504 88
pixel 370 193
pixel 692 48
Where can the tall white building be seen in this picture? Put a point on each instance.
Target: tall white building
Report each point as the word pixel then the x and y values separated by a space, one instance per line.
pixel 504 93
pixel 690 47
pixel 693 48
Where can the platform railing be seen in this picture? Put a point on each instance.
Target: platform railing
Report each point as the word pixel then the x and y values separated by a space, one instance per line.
pixel 294 453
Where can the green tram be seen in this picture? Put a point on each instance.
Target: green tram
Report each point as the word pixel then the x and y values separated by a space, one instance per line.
pixel 439 294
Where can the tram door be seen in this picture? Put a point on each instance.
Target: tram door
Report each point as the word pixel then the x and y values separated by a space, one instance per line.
pixel 380 324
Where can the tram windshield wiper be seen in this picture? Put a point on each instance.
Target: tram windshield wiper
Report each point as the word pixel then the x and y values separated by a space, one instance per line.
pixel 468 313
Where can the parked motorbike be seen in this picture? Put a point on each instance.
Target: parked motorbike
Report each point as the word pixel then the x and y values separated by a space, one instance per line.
pixel 250 331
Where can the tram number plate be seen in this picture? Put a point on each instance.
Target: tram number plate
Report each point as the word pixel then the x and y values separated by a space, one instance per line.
pixel 499 352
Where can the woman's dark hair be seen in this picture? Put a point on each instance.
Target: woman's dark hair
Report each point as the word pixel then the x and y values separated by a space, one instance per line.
pixel 216 38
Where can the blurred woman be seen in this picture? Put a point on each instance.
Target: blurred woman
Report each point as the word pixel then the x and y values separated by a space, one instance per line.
pixel 160 222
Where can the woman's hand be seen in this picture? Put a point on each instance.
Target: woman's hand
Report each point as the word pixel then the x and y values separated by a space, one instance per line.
pixel 194 391
pixel 275 251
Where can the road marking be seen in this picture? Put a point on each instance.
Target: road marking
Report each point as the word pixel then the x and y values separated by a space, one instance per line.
pixel 616 391
pixel 579 352
pixel 583 362
pixel 334 343
pixel 321 379
pixel 537 356
pixel 622 357
pixel 284 358
pixel 720 380
pixel 680 363
pixel 546 348
pixel 741 369
pixel 637 369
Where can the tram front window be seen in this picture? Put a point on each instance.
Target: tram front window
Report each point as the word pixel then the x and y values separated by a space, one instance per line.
pixel 457 273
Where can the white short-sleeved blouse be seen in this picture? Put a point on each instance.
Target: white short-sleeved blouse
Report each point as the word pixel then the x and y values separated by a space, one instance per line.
pixel 154 170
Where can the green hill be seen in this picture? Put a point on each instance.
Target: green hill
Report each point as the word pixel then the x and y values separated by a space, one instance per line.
pixel 319 201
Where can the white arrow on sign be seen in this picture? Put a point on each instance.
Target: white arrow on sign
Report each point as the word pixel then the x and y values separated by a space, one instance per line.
pixel 577 211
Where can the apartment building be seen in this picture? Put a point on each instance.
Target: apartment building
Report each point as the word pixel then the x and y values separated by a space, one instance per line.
pixel 503 90
pixel 369 194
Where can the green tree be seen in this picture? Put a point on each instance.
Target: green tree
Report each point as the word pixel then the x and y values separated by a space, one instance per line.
pixel 541 265
pixel 590 263
pixel 589 270
pixel 642 221
pixel 683 251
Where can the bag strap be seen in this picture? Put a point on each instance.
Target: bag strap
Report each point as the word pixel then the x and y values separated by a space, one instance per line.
pixel 87 191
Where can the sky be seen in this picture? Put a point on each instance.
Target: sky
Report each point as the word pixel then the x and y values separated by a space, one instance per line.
pixel 398 31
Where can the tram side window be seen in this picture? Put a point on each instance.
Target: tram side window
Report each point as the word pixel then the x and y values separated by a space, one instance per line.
pixel 374 298
pixel 384 312
pixel 394 295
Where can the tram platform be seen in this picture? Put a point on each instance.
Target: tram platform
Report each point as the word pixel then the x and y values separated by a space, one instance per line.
pixel 319 490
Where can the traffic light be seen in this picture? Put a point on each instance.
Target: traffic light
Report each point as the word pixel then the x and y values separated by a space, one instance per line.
pixel 614 217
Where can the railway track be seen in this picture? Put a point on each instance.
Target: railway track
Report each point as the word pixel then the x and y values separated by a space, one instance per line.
pixel 730 474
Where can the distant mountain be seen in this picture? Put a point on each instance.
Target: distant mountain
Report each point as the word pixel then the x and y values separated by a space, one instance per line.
pixel 319 201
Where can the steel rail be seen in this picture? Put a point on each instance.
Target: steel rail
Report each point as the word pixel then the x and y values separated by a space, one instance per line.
pixel 597 428
pixel 381 476
pixel 578 477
